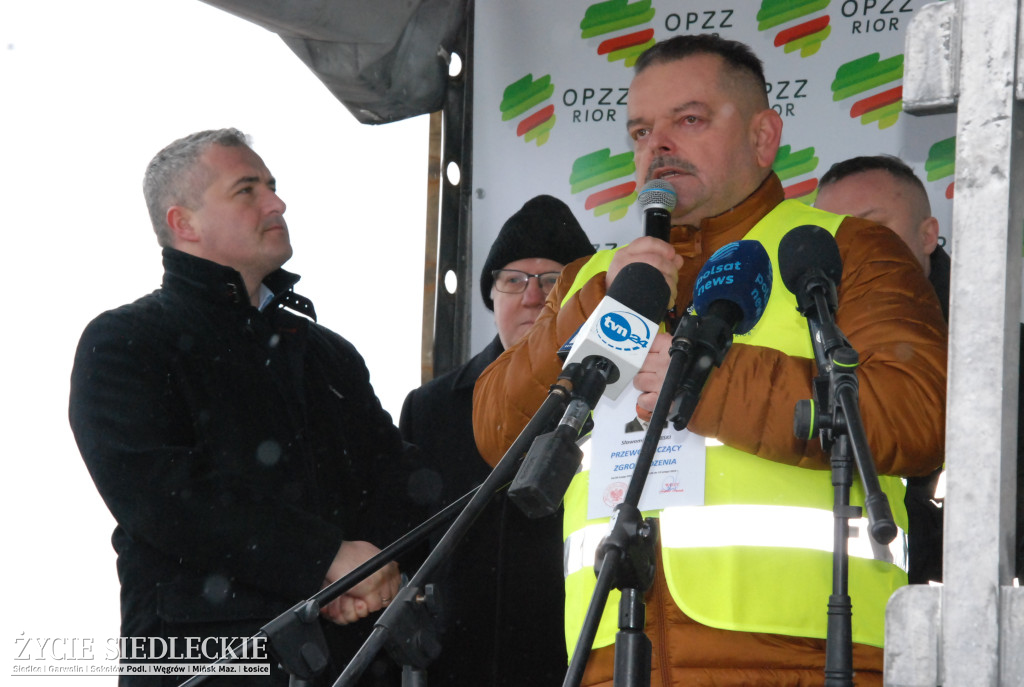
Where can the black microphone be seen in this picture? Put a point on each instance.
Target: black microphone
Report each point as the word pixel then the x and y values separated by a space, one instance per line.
pixel 610 347
pixel 729 298
pixel 657 199
pixel 810 267
pixel 808 262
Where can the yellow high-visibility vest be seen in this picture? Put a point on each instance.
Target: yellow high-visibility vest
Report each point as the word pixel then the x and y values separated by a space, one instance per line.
pixel 757 557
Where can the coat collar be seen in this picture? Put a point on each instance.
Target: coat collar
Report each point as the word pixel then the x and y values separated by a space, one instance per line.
pixel 221 284
pixel 731 225
pixel 467 374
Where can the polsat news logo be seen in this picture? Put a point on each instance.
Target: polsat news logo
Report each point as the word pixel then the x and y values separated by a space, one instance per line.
pixel 619 330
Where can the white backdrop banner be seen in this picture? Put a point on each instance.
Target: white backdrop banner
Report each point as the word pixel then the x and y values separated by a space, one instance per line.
pixel 550 87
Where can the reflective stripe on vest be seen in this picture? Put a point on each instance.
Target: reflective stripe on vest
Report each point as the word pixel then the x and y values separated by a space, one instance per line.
pixel 694 527
pixel 771 569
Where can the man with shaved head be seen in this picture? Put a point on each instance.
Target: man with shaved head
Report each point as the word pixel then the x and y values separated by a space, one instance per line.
pixel 886 190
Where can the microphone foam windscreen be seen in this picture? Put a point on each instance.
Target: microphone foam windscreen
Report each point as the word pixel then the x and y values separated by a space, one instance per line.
pixel 641 288
pixel 805 249
pixel 657 193
pixel 739 272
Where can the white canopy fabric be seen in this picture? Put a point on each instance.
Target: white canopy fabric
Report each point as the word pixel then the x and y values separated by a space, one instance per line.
pixel 385 60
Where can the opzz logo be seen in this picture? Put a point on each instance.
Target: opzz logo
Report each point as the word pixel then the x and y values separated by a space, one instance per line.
pixel 624 331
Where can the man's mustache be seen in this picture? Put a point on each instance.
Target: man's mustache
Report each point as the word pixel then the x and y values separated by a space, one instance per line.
pixel 663 161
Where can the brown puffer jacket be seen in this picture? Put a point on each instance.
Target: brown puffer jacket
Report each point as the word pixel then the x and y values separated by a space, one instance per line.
pixel 890 314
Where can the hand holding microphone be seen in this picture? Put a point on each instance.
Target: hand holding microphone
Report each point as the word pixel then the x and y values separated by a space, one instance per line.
pixel 657 198
pixel 654 252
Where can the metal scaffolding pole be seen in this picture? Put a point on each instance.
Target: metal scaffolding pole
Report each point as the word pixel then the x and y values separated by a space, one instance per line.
pixel 965 56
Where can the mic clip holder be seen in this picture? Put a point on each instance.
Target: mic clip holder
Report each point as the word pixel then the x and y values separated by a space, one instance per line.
pixel 632 539
pixel 815 292
pixel 631 544
pixel 703 343
pixel 412 630
pixel 554 457
pixel 816 300
pixel 298 642
pixel 837 416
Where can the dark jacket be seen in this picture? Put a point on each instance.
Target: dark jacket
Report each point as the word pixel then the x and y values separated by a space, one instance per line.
pixel 925 513
pixel 235 448
pixel 502 592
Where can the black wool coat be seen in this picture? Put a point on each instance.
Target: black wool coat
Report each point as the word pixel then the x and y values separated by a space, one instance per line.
pixel 503 592
pixel 235 448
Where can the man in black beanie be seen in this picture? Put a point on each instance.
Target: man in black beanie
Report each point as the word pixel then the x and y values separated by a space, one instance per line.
pixel 502 593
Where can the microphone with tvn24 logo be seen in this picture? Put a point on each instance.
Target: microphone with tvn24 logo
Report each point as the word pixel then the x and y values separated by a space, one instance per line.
pixel 610 346
pixel 729 297
pixel 657 199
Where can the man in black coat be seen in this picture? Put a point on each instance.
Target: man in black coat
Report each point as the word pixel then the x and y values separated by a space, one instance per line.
pixel 885 189
pixel 237 443
pixel 502 591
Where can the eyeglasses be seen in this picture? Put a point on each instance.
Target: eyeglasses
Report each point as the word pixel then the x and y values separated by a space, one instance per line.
pixel 516 281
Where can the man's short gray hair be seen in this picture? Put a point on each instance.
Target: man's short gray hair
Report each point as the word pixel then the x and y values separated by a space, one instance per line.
pixel 174 177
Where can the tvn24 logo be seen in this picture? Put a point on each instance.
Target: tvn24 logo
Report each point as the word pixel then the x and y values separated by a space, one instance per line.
pixel 624 331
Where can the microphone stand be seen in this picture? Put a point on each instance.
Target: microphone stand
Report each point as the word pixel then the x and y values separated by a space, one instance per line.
pixel 834 417
pixel 554 458
pixel 295 635
pixel 401 625
pixel 626 557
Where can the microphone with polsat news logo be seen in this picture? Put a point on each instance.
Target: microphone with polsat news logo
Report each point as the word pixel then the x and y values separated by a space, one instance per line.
pixel 730 296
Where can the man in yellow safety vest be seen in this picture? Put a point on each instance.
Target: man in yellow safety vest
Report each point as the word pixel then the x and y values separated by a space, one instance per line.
pixel 744 573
